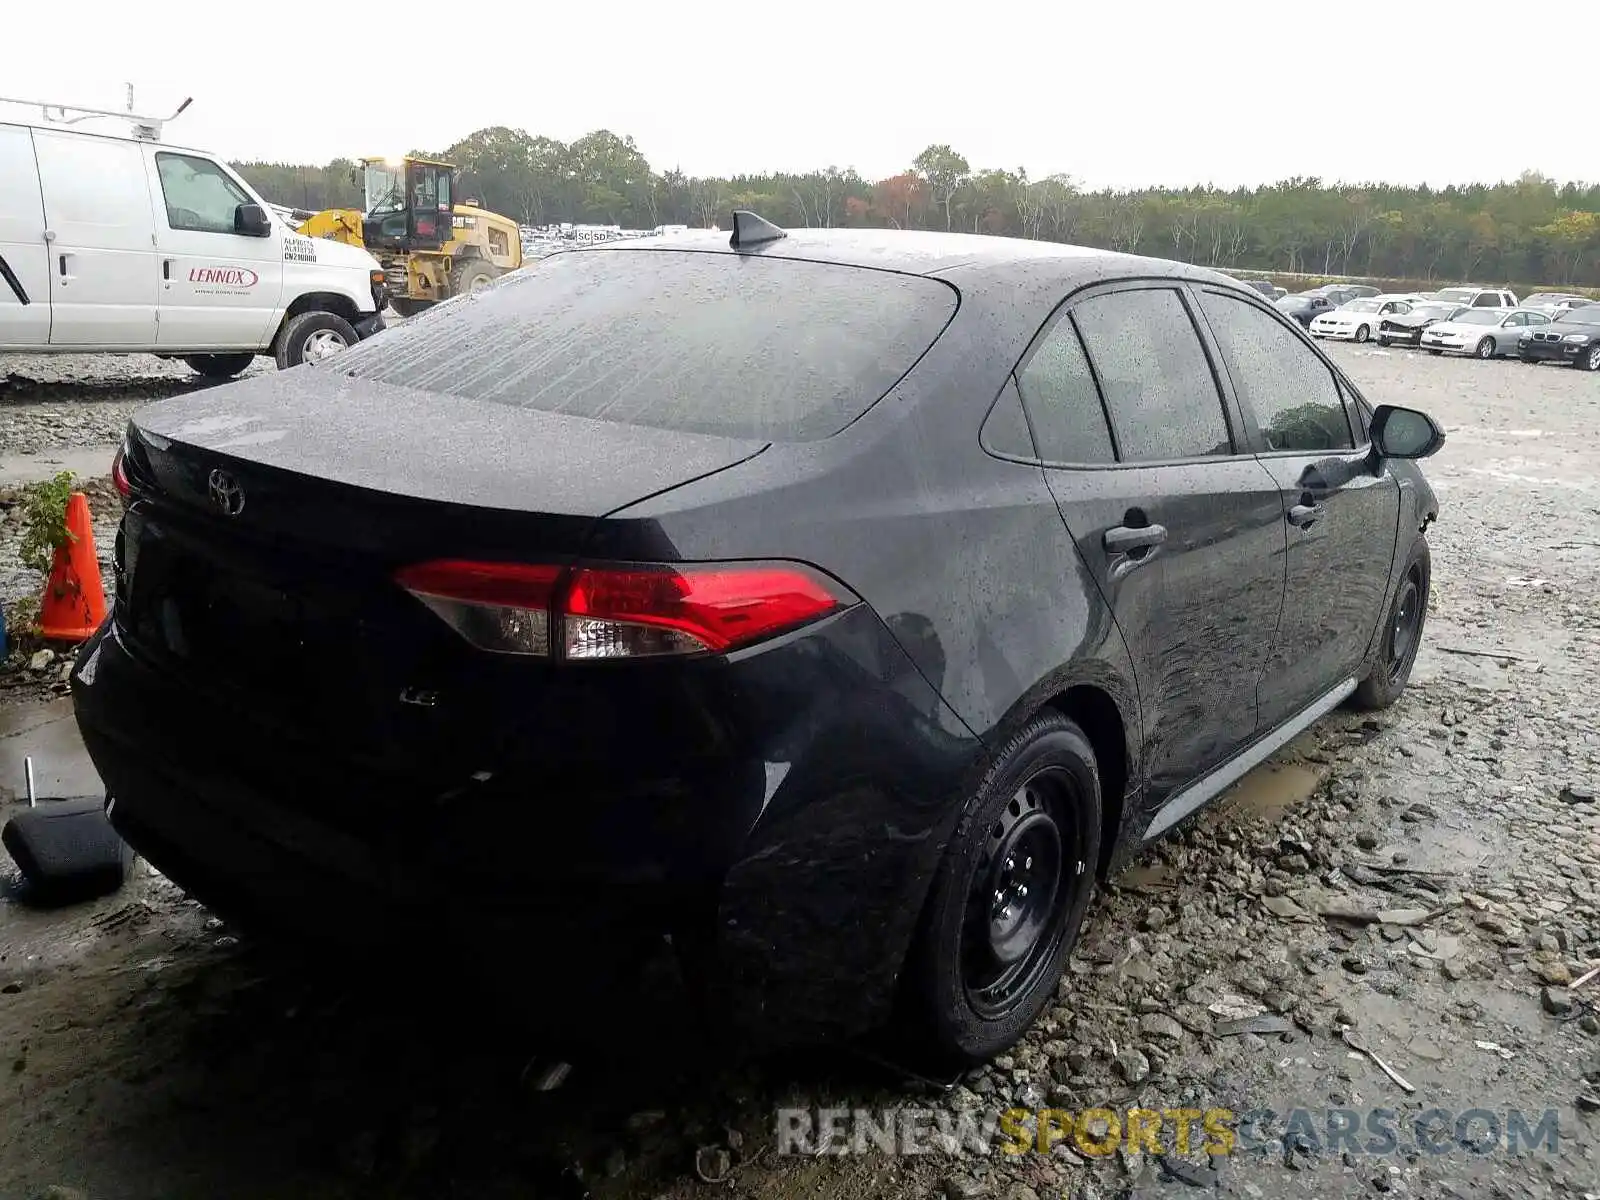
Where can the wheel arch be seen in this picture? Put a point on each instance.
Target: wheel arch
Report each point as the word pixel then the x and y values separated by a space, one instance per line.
pixel 1097 714
pixel 333 302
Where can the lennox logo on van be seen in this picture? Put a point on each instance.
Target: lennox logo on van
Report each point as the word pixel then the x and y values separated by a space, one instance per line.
pixel 226 276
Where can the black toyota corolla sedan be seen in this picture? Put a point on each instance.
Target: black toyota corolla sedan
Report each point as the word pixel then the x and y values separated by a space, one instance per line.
pixel 839 606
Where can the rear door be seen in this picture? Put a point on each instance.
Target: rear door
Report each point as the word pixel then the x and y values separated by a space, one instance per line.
pixel 219 289
pixel 24 257
pixel 98 226
pixel 1180 525
pixel 1339 515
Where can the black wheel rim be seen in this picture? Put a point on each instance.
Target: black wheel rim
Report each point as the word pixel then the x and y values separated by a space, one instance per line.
pixel 1405 623
pixel 1021 895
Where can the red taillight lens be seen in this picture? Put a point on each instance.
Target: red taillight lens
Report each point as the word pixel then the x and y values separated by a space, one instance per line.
pixel 632 612
pixel 119 473
pixel 623 612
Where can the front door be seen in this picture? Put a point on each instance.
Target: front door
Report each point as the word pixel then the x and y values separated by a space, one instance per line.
pixel 97 226
pixel 1178 523
pixel 1341 516
pixel 219 289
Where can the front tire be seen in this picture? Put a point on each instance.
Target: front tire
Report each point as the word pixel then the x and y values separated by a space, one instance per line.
pixel 1485 348
pixel 312 337
pixel 1431 350
pixel 404 306
pixel 219 366
pixel 1591 360
pixel 1362 333
pixel 1006 904
pixel 1402 635
pixel 1384 342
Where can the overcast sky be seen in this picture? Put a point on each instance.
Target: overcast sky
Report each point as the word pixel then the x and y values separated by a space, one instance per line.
pixel 1208 91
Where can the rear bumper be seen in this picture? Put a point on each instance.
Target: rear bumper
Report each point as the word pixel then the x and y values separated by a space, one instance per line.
pixel 802 854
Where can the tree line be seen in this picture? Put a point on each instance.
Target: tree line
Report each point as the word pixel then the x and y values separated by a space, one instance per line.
pixel 1530 230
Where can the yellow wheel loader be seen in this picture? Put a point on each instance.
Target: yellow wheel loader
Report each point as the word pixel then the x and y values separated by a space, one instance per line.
pixel 431 246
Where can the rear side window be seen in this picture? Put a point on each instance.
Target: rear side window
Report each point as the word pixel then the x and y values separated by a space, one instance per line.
pixel 1158 386
pixel 1060 394
pixel 727 344
pixel 200 198
pixel 1292 392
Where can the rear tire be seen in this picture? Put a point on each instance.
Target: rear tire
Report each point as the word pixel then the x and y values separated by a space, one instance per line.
pixel 219 366
pixel 312 337
pixel 471 276
pixel 1486 348
pixel 1402 635
pixel 1008 899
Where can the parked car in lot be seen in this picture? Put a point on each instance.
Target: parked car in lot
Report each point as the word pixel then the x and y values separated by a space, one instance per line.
pixel 1572 337
pixel 1405 329
pixel 1474 297
pixel 841 603
pixel 1552 302
pixel 1339 293
pixel 1355 320
pixel 1265 287
pixel 1484 332
pixel 1304 307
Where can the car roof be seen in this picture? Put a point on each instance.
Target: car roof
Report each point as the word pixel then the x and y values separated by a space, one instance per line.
pixel 974 259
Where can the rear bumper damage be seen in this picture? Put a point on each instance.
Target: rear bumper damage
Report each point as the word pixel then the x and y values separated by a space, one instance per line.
pixel 801 851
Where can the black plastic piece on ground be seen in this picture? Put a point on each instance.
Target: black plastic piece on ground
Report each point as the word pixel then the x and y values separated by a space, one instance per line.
pixel 67 851
pixel 752 230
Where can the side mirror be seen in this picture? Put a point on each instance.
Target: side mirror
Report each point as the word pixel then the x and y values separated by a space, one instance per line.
pixel 251 220
pixel 1404 433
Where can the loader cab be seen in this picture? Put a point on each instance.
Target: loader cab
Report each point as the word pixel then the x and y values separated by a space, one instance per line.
pixel 409 203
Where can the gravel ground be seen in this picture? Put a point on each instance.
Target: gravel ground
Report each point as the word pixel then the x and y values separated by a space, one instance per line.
pixel 1430 878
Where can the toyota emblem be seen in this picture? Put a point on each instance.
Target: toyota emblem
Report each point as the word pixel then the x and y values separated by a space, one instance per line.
pixel 226 493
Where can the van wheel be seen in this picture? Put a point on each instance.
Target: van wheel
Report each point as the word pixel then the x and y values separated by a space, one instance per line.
pixel 471 276
pixel 1005 906
pixel 219 366
pixel 312 337
pixel 1402 635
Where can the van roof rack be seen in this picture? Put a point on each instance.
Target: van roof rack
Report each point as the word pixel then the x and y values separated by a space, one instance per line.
pixel 145 129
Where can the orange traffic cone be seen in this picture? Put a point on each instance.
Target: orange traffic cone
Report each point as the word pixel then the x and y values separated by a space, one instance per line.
pixel 74 602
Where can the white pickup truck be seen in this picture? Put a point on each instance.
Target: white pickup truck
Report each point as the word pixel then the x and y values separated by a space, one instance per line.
pixel 123 244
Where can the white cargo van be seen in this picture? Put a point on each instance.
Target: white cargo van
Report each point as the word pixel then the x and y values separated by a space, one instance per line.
pixel 123 244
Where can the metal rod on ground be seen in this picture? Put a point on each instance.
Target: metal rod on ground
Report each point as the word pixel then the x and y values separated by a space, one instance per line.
pixel 27 770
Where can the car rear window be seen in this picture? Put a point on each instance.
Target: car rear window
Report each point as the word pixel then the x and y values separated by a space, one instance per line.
pixel 727 344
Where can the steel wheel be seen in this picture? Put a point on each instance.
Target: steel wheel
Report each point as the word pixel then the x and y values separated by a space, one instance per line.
pixel 1404 625
pixel 1486 348
pixel 324 343
pixel 1020 895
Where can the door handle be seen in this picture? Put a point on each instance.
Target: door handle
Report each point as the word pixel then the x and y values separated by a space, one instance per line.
pixel 166 269
pixel 1124 539
pixel 1303 516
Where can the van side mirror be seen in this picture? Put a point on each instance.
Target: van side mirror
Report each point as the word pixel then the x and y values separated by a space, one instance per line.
pixel 251 220
pixel 1404 433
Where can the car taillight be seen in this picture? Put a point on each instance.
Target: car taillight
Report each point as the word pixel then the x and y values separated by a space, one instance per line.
pixel 119 472
pixel 632 611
